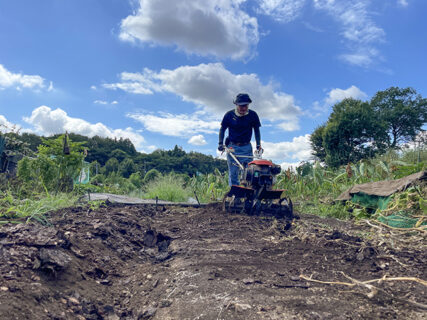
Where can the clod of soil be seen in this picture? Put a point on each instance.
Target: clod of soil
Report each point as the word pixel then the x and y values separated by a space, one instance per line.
pixel 133 262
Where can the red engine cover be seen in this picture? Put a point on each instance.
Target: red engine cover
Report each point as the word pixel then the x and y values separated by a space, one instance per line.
pixel 261 163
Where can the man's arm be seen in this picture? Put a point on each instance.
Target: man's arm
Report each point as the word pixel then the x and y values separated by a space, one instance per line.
pixel 221 139
pixel 221 135
pixel 256 125
pixel 257 137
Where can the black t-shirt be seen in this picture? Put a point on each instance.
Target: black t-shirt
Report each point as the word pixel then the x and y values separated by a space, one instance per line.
pixel 240 128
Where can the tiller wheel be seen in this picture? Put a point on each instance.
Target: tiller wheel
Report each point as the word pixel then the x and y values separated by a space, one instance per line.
pixel 255 195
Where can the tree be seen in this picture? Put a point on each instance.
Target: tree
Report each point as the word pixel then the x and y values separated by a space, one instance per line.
pixel 52 168
pixel 350 134
pixel 127 167
pixel 32 140
pixel 94 168
pixel 177 152
pixel 112 165
pixel 404 112
pixel 120 155
pixel 102 149
pixel 316 142
pixel 136 179
pixel 151 175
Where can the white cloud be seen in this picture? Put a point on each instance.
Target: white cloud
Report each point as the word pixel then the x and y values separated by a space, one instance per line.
pixel 360 32
pixel 6 126
pixel 334 96
pixel 337 95
pixel 213 87
pixel 176 125
pixel 358 28
pixel 362 59
pixel 403 3
pixel 132 87
pixel 355 19
pixel 281 10
pixel 298 149
pixel 103 102
pixel 215 27
pixel 100 102
pixel 289 126
pixel 312 27
pixel 198 140
pixel 47 122
pixel 420 141
pixel 19 81
pixel 290 165
pixel 287 153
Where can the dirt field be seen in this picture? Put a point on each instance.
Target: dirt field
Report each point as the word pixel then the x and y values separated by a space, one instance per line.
pixel 133 262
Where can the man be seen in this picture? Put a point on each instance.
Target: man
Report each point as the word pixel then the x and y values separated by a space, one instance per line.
pixel 239 122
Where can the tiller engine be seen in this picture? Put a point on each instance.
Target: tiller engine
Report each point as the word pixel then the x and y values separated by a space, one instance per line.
pixel 255 194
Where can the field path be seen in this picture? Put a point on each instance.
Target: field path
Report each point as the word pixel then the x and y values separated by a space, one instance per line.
pixel 136 262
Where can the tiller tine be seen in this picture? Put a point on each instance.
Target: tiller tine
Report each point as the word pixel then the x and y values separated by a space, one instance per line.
pixel 240 192
pixel 238 199
pixel 270 194
pixel 286 208
pixel 280 208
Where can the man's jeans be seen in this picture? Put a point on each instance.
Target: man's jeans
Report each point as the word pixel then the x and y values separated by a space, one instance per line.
pixel 233 167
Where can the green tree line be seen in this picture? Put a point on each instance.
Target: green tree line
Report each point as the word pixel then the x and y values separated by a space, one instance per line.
pixel 359 129
pixel 119 155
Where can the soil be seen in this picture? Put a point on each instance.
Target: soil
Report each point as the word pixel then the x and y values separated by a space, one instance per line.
pixel 136 262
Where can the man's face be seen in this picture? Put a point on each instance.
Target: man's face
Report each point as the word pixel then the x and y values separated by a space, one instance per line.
pixel 242 109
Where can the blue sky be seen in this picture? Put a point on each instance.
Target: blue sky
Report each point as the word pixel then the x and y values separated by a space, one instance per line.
pixel 164 72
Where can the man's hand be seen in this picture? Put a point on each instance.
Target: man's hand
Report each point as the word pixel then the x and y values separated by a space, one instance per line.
pixel 259 149
pixel 221 147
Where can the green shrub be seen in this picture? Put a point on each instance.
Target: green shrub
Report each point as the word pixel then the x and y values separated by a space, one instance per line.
pixel 99 179
pixel 81 189
pixel 52 169
pixel 168 187
pixel 136 179
pixel 209 187
pixel 151 175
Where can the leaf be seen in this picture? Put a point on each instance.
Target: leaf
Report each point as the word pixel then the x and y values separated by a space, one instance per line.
pixel 423 205
pixel 362 169
pixel 420 222
pixel 383 166
pixel 339 177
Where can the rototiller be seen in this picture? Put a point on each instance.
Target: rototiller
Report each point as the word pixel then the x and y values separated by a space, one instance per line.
pixel 255 194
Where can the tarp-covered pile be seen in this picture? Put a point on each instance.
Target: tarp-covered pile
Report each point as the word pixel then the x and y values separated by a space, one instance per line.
pixel 377 195
pixel 383 188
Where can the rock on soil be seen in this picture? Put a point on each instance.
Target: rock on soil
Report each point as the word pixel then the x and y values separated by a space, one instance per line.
pixel 133 262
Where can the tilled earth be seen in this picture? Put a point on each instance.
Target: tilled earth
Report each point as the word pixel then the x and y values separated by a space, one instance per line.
pixel 136 262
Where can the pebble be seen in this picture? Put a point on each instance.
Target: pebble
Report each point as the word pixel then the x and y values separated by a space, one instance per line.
pixel 148 313
pixel 73 300
pixel 239 307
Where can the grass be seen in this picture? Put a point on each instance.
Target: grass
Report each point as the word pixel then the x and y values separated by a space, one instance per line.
pixel 169 188
pixel 14 210
pixel 311 187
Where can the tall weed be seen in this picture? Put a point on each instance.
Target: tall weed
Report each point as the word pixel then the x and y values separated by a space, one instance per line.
pixel 33 209
pixel 168 187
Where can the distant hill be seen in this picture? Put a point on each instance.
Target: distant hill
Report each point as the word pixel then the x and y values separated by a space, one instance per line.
pixel 102 149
